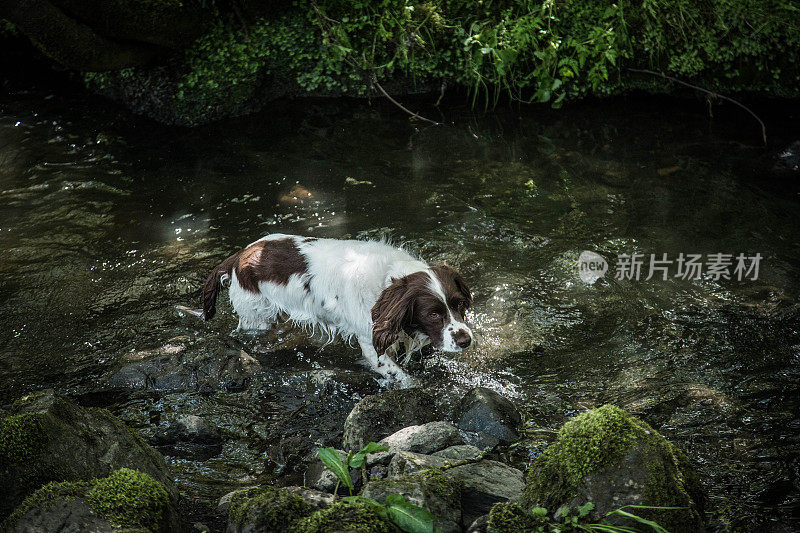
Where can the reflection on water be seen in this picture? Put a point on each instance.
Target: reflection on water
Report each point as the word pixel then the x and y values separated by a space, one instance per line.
pixel 108 221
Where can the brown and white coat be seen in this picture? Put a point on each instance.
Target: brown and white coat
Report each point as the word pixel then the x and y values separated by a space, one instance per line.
pixel 368 291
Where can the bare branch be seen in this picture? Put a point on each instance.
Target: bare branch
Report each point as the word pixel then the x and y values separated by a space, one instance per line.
pixel 711 94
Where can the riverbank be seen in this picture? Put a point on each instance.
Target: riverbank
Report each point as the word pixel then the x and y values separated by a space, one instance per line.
pixel 421 474
pixel 211 62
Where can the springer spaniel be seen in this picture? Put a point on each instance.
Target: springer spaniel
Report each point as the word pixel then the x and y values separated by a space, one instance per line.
pixel 369 291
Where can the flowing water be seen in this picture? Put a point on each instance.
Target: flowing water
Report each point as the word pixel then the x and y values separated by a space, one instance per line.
pixel 108 221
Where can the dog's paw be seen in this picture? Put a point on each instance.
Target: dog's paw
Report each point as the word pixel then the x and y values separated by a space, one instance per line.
pixel 398 381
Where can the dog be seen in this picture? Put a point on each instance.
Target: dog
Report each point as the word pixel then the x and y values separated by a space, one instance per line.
pixel 368 291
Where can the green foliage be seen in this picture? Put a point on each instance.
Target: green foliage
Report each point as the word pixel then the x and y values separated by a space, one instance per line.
pixel 21 438
pixel 405 515
pixel 546 51
pixel 357 459
pixel 330 458
pixel 270 508
pixel 588 442
pixel 341 468
pixel 349 514
pixel 130 498
pixel 509 517
pixel 601 438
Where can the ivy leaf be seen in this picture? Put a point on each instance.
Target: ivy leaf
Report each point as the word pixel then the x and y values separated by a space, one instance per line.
pixel 409 517
pixel 331 459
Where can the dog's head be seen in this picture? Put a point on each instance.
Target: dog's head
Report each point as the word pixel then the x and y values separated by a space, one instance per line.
pixel 431 303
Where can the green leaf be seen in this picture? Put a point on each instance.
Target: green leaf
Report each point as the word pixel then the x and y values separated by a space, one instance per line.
pixel 585 509
pixel 409 517
pixel 331 459
pixel 360 456
pixel 657 527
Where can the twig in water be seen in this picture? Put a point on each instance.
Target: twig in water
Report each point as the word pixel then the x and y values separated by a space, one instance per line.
pixel 711 94
pixel 398 104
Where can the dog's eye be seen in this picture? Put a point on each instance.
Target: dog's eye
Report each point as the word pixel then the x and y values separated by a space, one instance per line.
pixel 434 315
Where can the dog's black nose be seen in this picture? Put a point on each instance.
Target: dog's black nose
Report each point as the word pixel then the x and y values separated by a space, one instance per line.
pixel 463 339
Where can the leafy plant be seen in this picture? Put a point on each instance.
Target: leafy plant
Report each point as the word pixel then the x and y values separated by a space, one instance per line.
pixel 507 517
pixel 405 515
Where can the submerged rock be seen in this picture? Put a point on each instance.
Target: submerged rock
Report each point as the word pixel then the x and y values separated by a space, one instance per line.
pixel 190 436
pixel 353 517
pixel 435 491
pixel 46 437
pixel 610 458
pixel 378 416
pixel 124 501
pixel 265 509
pixel 487 418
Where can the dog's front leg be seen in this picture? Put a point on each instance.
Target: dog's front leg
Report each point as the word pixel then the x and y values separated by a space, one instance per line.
pixel 384 366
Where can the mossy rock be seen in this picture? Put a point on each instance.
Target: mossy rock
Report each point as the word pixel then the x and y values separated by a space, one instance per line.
pixel 265 509
pixel 610 458
pixel 127 500
pixel 379 415
pixel 432 489
pixel 45 437
pixel 353 517
pixel 510 517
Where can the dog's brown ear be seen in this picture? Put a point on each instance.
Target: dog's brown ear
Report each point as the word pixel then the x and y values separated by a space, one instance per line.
pixel 463 287
pixel 445 272
pixel 390 313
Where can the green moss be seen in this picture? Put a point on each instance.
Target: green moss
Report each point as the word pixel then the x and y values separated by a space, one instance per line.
pixel 588 442
pixel 355 517
pixel 22 437
pixel 600 438
pixel 46 496
pixel 130 498
pixel 268 507
pixel 509 517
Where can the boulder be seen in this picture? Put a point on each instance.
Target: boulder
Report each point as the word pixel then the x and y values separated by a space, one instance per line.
pixel 426 438
pixel 610 458
pixel 459 452
pixel 407 463
pixel 378 416
pixel 315 498
pixel 45 437
pixel 349 516
pixel 487 418
pixel 124 501
pixel 484 482
pixel 265 509
pixel 191 437
pixel 435 491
